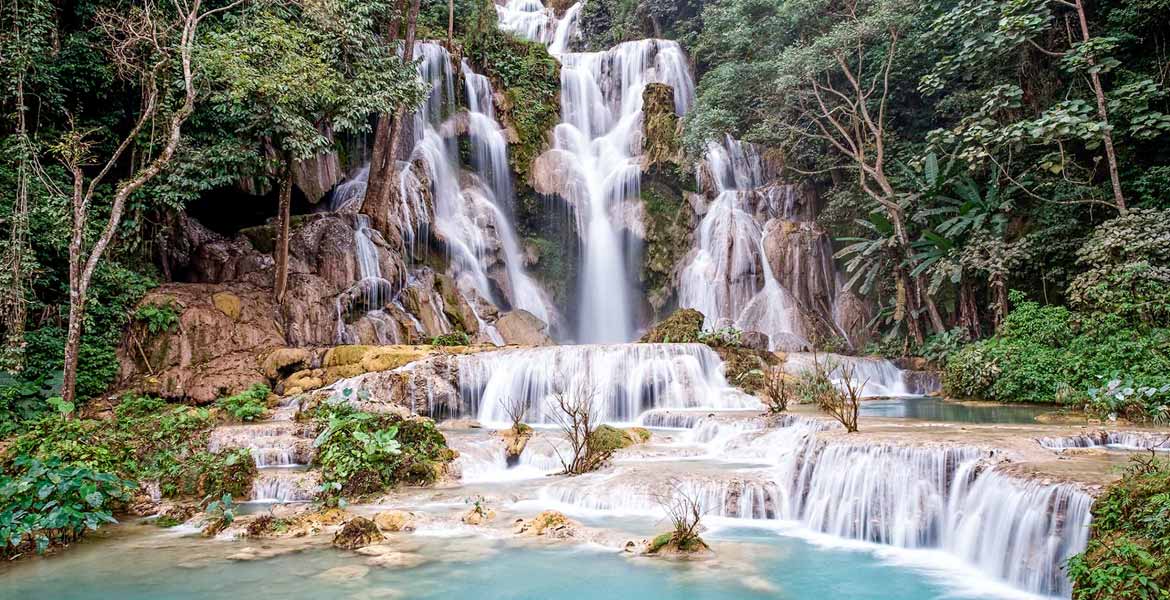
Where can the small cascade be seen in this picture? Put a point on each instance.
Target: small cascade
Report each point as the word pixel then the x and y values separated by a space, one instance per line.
pixel 370 294
pixel 729 278
pixel 484 459
pixel 528 19
pixel 943 497
pixel 282 449
pixel 1120 440
pixel 623 380
pixel 880 377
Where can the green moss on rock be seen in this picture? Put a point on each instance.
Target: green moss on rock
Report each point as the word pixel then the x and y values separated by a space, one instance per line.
pixel 683 326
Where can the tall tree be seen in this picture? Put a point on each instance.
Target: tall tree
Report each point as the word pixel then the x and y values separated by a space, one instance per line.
pixel 295 72
pixel 388 134
pixel 145 43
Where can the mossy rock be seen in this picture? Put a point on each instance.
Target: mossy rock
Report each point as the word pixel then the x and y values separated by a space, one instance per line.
pixel 283 362
pixel 304 380
pixel 671 544
pixel 639 435
pixel 356 533
pixel 227 303
pixel 745 367
pixel 607 439
pixel 683 326
pixel 345 355
pixel 333 374
pixel 386 358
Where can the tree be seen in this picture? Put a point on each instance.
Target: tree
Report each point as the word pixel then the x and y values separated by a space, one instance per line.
pixel 981 33
pixel 575 415
pixel 840 396
pixel 388 134
pixel 685 513
pixel 145 43
pixel 293 73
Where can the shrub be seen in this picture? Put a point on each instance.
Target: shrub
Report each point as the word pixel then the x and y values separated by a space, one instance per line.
pixel 361 453
pixel 246 405
pixel 1128 555
pixel 51 502
pixel 1044 354
pixel 455 338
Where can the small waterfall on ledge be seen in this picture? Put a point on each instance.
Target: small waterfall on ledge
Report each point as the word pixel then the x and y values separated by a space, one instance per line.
pixel 879 376
pixel 1120 440
pixel 625 380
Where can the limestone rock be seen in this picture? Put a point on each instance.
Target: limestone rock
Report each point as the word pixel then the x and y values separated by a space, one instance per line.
pixel 661 140
pixel 555 173
pixel 357 532
pixel 228 303
pixel 549 523
pixel 394 521
pixel 344 573
pixel 281 361
pixel 754 340
pixel 478 515
pixel 397 560
pixel 523 328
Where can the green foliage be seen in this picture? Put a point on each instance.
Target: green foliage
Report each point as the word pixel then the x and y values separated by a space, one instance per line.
pixel 1127 262
pixel 528 76
pixel 246 405
pixel 157 318
pixel 606 439
pixel 1128 555
pixel 455 338
pixel 1043 350
pixel 51 502
pixel 727 337
pixel 1125 398
pixel 362 453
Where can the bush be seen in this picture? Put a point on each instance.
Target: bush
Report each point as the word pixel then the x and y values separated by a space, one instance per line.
pixel 1043 352
pixel 455 338
pixel 361 453
pixel 1128 555
pixel 246 405
pixel 51 502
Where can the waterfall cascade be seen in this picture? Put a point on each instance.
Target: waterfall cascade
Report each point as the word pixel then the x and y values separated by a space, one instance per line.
pixel 1121 440
pixel 947 498
pixel 623 381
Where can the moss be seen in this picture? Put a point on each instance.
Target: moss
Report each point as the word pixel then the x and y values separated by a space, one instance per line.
pixel 671 543
pixel 262 237
pixel 640 435
pixel 554 268
pixel 608 439
pixel 658 543
pixel 661 139
pixel 530 79
pixel 669 234
pixel 683 326
pixel 744 367
pixel 345 355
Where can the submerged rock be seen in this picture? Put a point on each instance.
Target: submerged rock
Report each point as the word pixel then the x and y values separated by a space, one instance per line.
pixel 344 573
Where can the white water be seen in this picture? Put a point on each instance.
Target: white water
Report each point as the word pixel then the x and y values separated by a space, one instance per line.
pixel 729 278
pixel 1120 440
pixel 877 377
pixel 945 498
pixel 623 380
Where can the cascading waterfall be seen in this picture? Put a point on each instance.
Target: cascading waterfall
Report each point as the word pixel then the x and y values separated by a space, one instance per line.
pixel 1120 440
pixel 947 498
pixel 728 277
pixel 601 130
pixel 877 376
pixel 623 381
pixel 489 151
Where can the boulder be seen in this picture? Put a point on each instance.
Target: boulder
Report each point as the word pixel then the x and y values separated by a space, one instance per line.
pixel 549 523
pixel 282 361
pixel 555 173
pixel 357 532
pixel 754 340
pixel 478 515
pixel 394 521
pixel 522 328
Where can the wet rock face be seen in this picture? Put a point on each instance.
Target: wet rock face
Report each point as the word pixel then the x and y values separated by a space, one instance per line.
pixel 522 328
pixel 661 142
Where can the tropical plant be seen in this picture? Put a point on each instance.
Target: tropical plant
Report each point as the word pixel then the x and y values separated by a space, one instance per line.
pixel 246 405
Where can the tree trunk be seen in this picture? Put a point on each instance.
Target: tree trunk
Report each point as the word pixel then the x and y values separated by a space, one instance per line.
pixel 280 285
pixel 969 310
pixel 999 287
pixel 382 160
pixel 908 305
pixel 450 22
pixel 1103 114
pixel 76 290
pixel 936 320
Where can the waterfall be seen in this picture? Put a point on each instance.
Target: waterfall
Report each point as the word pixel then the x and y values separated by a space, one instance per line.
pixel 878 377
pixel 729 278
pixel 946 498
pixel 1121 440
pixel 601 129
pixel 623 380
pixel 489 151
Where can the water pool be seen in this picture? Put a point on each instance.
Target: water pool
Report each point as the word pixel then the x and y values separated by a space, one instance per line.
pixel 141 563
